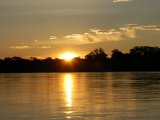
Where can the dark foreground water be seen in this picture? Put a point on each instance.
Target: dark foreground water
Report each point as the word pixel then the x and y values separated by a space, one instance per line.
pixel 80 96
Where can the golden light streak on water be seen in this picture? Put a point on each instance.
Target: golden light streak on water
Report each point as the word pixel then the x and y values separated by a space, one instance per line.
pixel 68 89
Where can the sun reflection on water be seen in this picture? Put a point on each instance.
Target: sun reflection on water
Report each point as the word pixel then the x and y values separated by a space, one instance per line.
pixel 68 84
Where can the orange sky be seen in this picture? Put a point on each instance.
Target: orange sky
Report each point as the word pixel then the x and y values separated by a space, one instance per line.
pixel 50 28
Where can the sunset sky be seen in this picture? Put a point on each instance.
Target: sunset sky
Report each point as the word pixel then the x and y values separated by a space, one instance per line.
pixel 48 28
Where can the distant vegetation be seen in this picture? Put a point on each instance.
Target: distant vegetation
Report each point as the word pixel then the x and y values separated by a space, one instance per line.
pixel 140 58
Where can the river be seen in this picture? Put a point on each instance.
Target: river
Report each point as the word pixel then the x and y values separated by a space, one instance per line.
pixel 80 96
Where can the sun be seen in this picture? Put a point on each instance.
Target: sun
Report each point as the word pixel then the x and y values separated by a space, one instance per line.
pixel 68 56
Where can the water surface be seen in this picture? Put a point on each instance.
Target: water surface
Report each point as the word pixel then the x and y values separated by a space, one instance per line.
pixel 80 96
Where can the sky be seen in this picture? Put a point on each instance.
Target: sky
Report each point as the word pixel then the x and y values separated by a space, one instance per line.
pixel 48 28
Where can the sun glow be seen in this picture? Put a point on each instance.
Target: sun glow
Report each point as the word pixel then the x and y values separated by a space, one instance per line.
pixel 68 56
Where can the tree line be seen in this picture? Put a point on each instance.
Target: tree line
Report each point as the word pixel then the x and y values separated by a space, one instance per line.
pixel 139 58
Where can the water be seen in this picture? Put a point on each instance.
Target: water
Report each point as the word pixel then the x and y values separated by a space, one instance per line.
pixel 80 96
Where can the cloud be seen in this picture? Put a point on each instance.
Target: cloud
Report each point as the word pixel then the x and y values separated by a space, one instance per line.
pixel 34 45
pixel 20 47
pixel 80 38
pixel 26 47
pixel 44 44
pixel 126 32
pixel 131 29
pixel 35 41
pixel 118 1
pixel 73 36
pixel 141 27
pixel 130 33
pixel 45 47
pixel 110 35
pixel 53 37
pixel 149 27
pixel 98 35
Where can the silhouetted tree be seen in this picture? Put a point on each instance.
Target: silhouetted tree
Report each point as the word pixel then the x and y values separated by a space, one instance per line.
pixel 15 58
pixel 96 60
pixel 145 55
pixel 145 50
pixel 116 54
pixel 97 54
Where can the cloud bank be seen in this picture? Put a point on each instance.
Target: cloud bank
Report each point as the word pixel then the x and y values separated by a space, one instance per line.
pixel 99 35
pixel 126 32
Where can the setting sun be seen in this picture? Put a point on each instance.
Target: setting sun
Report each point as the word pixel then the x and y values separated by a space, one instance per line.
pixel 68 56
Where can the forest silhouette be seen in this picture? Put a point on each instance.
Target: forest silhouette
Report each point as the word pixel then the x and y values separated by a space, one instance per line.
pixel 139 58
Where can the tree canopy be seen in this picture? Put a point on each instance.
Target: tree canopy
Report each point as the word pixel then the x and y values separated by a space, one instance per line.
pixel 97 54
